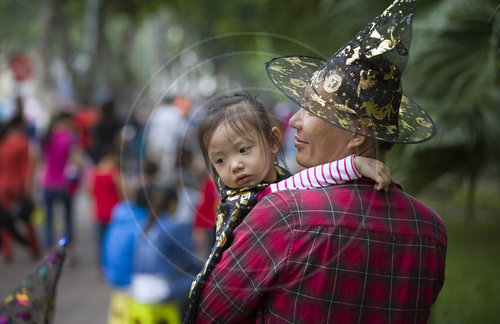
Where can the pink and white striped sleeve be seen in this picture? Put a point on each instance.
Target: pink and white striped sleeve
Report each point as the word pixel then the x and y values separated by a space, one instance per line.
pixel 328 174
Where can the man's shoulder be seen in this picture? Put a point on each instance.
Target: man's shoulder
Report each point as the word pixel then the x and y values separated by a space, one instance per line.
pixel 294 204
pixel 354 204
pixel 426 220
pixel 269 209
pixel 328 198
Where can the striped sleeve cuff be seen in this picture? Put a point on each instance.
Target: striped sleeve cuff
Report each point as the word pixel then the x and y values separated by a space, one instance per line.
pixel 328 174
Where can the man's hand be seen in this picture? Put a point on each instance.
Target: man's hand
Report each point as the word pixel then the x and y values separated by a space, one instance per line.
pixel 375 170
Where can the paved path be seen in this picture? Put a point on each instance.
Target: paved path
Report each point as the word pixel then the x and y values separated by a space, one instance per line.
pixel 82 295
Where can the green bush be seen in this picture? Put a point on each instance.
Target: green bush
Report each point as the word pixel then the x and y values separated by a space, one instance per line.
pixel 471 292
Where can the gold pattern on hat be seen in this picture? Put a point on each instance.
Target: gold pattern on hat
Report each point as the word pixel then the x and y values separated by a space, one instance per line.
pixel 298 83
pixel 344 122
pixel 380 113
pixel 345 108
pixel 292 90
pixel 332 82
pixel 422 122
pixel 366 121
pixel 407 126
pixel 279 69
pixel 354 57
pixel 316 76
pixel 297 61
pixel 293 60
pixel 391 129
pixel 318 99
pixel 390 75
pixel 365 82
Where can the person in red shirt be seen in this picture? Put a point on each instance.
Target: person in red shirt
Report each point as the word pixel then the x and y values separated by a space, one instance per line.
pixel 85 119
pixel 104 184
pixel 342 253
pixel 16 182
pixel 204 218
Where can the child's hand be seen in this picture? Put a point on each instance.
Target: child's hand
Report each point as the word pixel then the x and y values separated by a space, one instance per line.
pixel 374 170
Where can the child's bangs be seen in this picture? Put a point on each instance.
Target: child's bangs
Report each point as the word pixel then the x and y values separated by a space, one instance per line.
pixel 244 122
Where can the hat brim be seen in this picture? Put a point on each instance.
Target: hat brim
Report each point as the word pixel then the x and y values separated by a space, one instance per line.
pixel 292 74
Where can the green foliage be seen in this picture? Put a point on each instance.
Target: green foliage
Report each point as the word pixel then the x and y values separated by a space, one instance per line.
pixel 136 10
pixel 454 75
pixel 453 70
pixel 471 292
pixel 19 25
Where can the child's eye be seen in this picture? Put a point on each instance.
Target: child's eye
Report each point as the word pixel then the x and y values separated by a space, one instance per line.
pixel 219 161
pixel 244 149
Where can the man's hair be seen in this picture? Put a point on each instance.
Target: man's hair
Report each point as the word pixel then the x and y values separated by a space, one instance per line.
pixel 380 145
pixel 383 146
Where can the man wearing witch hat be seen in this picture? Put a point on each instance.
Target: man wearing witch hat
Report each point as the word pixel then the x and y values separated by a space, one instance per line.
pixel 344 253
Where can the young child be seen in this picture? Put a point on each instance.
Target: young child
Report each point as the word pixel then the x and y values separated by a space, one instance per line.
pixel 242 150
pixel 127 219
pixel 104 187
pixel 163 258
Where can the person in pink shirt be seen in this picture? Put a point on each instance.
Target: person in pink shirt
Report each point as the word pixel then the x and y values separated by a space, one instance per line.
pixel 104 184
pixel 61 156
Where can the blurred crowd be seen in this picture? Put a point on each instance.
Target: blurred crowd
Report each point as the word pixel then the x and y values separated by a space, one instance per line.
pixel 152 199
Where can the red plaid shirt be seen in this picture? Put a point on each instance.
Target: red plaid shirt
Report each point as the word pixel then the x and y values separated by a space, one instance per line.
pixel 341 254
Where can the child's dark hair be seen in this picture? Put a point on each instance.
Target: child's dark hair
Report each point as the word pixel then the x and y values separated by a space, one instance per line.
pixel 60 117
pixel 161 201
pixel 111 153
pixel 241 113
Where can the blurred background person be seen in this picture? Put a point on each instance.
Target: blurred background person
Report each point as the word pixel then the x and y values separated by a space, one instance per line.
pixel 85 120
pixel 204 218
pixel 16 184
pixel 188 172
pixel 164 132
pixel 105 134
pixel 164 262
pixel 8 231
pixel 61 157
pixel 104 188
pixel 128 218
pixel 132 144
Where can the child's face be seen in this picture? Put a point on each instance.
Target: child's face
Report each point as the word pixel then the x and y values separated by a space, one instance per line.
pixel 241 161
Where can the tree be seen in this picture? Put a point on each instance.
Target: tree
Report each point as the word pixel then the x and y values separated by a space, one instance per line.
pixel 455 75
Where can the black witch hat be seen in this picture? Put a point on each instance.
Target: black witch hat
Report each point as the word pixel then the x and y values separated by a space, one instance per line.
pixel 359 88
pixel 33 301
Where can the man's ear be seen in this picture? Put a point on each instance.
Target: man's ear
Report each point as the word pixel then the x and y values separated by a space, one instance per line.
pixel 356 142
pixel 276 134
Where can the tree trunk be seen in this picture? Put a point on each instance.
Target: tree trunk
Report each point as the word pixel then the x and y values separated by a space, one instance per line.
pixel 123 84
pixel 44 46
